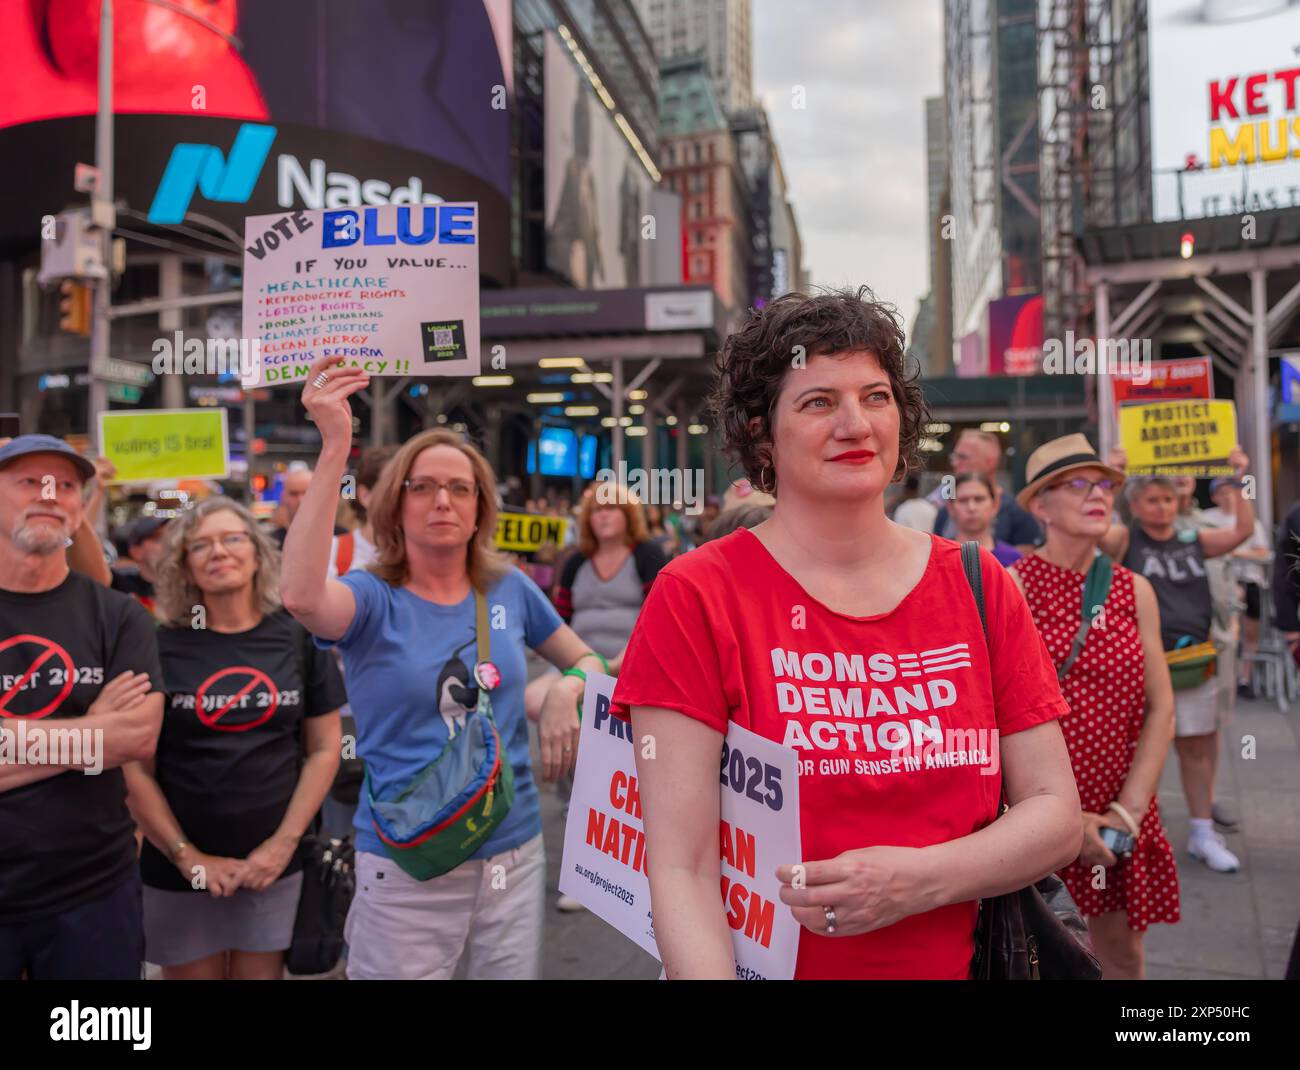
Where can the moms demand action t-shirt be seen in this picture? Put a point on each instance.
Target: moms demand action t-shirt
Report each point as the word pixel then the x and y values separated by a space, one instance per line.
pixel 68 839
pixel 230 751
pixel 895 717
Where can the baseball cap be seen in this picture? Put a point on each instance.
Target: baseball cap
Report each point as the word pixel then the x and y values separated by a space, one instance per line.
pixel 143 528
pixel 26 444
pixel 1223 481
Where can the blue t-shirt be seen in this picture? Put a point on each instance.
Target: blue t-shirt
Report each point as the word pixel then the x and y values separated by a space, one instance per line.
pixel 409 664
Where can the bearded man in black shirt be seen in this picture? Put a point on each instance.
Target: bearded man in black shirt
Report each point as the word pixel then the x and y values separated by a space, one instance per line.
pixel 79 698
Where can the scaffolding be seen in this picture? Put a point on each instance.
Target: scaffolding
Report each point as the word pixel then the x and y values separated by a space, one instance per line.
pixel 1093 132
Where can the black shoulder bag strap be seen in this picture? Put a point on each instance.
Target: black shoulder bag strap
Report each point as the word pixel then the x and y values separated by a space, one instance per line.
pixel 970 563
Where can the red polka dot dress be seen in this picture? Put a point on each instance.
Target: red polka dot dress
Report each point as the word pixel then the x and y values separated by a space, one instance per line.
pixel 1105 692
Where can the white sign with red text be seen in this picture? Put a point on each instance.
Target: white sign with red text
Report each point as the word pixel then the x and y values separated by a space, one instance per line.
pixel 605 864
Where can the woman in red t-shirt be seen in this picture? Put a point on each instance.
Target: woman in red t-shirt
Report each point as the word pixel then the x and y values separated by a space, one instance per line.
pixel 853 640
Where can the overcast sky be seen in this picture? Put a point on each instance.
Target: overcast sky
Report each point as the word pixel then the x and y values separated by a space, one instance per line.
pixel 854 157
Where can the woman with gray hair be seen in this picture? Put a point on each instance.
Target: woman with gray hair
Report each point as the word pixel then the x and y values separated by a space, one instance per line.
pixel 1174 562
pixel 1101 625
pixel 230 793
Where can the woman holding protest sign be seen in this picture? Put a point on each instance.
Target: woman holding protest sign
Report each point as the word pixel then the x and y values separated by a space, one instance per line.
pixel 1174 562
pixel 770 628
pixel 449 844
pixel 1101 625
pixel 229 793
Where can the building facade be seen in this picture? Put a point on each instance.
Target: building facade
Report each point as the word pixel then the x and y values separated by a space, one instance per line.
pixel 719 29
pixel 992 136
pixel 776 248
pixel 701 162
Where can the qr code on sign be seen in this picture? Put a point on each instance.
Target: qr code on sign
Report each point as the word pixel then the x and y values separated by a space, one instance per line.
pixel 443 338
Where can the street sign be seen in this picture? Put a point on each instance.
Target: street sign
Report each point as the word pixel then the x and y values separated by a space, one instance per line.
pixel 123 371
pixel 128 395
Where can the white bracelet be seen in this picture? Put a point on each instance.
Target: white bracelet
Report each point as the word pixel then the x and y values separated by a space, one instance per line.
pixel 1126 817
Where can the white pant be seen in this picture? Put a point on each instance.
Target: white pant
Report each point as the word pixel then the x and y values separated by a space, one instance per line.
pixel 402 929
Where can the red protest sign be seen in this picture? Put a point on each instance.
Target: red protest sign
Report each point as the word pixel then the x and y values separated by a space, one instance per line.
pixel 51 648
pixel 211 718
pixel 1191 378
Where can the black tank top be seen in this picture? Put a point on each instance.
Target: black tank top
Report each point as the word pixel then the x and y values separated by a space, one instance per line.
pixel 1176 569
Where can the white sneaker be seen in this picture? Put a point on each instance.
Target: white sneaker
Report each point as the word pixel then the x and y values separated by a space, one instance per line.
pixel 566 904
pixel 1210 848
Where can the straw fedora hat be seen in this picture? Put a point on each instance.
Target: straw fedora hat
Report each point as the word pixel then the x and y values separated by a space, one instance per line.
pixel 1052 459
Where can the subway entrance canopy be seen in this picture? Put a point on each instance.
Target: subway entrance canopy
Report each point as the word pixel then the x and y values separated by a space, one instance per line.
pixel 1226 287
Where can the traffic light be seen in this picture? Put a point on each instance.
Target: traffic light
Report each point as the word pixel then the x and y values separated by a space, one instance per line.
pixel 74 307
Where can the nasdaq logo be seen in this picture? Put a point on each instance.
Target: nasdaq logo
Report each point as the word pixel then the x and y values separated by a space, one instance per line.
pixel 219 178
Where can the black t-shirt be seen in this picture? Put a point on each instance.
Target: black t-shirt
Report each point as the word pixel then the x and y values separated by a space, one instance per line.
pixel 68 839
pixel 1176 569
pixel 129 581
pixel 230 751
pixel 1286 572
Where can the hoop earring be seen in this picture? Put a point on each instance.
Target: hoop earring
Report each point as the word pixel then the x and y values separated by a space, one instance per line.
pixel 762 482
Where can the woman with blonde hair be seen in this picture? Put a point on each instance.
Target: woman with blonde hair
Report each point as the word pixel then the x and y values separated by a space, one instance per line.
pixel 603 586
pixel 229 793
pixel 449 839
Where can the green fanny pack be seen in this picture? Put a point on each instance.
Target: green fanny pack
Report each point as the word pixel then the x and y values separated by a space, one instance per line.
pixel 1192 664
pixel 455 803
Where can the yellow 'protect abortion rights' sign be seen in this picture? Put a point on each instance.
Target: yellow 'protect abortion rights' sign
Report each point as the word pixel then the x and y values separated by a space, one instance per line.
pixel 1185 438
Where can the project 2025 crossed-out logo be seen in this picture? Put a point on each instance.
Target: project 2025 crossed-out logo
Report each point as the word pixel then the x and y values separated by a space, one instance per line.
pixel 231 178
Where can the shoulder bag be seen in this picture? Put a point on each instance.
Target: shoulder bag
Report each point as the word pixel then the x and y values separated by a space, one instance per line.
pixel 455 803
pixel 328 882
pixel 1036 933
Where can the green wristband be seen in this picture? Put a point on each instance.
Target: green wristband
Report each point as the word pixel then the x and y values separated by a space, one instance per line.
pixel 581 676
pixel 592 654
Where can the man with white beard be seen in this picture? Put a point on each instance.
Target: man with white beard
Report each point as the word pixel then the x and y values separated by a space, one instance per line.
pixel 70 900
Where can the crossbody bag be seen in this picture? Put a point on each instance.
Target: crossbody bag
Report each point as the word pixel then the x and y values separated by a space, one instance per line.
pixel 455 803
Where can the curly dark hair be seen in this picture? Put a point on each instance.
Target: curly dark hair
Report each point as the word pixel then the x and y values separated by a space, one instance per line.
pixel 753 363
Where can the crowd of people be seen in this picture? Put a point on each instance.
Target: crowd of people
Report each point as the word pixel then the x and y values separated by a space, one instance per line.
pixel 228 664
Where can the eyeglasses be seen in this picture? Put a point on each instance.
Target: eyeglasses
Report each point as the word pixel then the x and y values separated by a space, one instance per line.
pixel 459 489
pixel 235 540
pixel 1084 486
